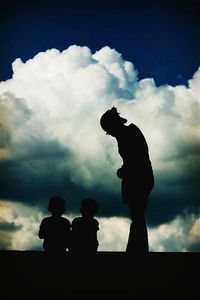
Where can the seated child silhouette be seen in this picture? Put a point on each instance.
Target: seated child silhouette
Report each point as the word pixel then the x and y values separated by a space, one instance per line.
pixel 55 230
pixel 84 229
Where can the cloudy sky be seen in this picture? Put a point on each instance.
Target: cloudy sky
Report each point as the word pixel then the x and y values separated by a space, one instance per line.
pixel 63 65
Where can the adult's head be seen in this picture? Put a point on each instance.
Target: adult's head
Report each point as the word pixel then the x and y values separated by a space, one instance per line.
pixel 56 206
pixel 111 121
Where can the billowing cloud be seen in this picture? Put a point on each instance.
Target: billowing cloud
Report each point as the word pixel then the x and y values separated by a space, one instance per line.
pixel 18 226
pixel 181 234
pixel 51 141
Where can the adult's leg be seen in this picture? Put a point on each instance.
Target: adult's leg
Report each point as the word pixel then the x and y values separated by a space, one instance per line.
pixel 138 236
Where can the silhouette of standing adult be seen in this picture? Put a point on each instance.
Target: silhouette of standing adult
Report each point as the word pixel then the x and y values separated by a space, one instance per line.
pixel 136 174
pixel 55 230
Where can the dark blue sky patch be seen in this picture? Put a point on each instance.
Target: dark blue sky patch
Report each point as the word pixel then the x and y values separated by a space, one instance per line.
pixel 161 38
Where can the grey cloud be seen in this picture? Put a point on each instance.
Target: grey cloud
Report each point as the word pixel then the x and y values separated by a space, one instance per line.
pixel 9 226
pixel 4 137
pixel 164 207
pixel 194 247
pixel 56 147
pixel 44 170
pixel 180 234
pixel 5 241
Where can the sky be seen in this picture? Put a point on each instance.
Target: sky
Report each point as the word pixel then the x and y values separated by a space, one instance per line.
pixel 62 66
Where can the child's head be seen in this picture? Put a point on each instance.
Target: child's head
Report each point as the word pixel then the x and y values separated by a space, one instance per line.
pixel 56 206
pixel 89 207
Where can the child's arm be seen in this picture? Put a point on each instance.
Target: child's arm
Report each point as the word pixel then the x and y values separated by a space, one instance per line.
pixel 68 227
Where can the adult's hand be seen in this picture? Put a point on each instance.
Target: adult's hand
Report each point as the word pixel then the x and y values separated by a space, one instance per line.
pixel 120 173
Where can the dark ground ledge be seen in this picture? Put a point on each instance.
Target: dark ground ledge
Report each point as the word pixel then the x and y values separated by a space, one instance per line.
pixel 104 275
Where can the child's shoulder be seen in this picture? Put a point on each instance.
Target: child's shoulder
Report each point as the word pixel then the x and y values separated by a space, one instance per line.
pixel 47 219
pixel 65 220
pixel 96 223
pixel 77 220
pixel 45 222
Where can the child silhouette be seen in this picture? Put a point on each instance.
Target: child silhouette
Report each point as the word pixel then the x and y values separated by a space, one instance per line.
pixel 84 229
pixel 55 230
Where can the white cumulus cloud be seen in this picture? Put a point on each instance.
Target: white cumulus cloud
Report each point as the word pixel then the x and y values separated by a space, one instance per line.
pixel 64 94
pixel 56 99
